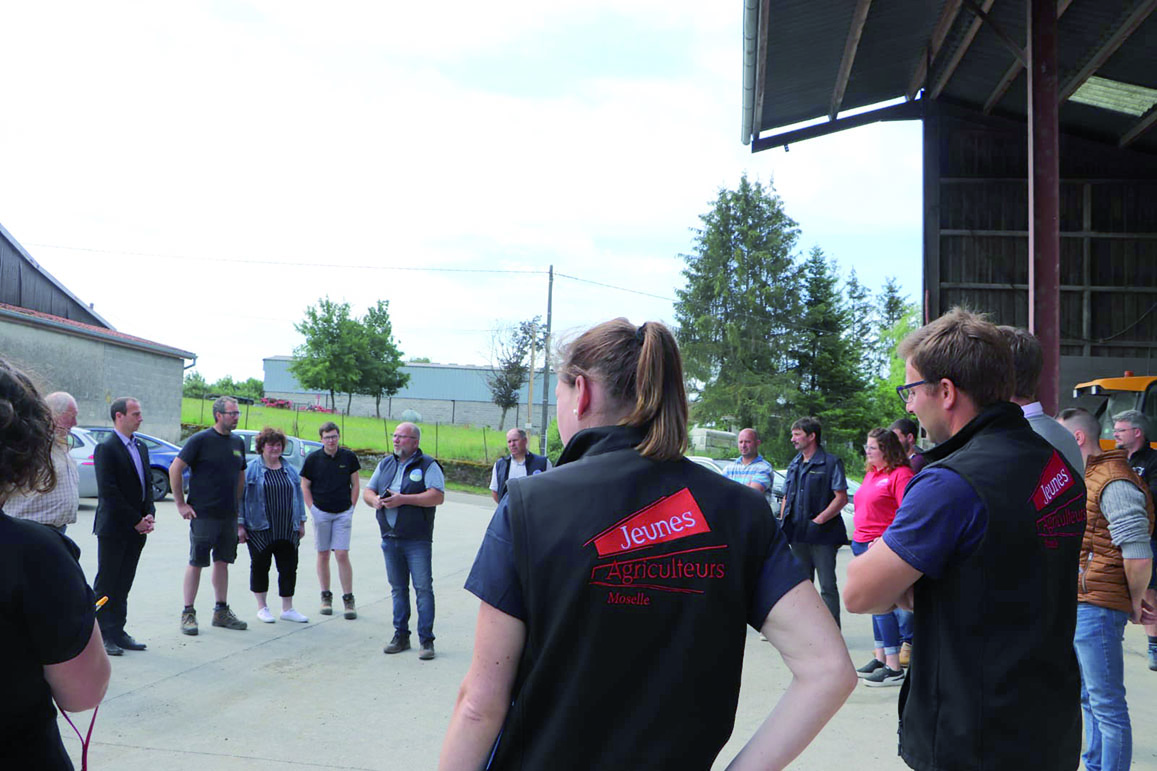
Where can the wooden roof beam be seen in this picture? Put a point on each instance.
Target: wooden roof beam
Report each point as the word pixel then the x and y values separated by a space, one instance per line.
pixel 939 33
pixel 1148 120
pixel 1015 69
pixel 958 54
pixel 1126 28
pixel 859 16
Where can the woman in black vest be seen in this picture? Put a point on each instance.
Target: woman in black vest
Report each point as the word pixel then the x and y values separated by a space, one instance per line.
pixel 616 590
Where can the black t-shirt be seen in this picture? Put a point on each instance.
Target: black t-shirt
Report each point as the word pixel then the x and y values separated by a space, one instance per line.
pixel 1144 462
pixel 214 461
pixel 46 617
pixel 329 478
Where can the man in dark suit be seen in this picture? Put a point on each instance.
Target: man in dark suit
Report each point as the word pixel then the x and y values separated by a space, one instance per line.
pixel 124 515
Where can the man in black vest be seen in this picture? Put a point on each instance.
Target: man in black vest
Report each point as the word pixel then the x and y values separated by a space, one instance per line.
pixel 985 546
pixel 405 489
pixel 518 464
pixel 124 516
pixel 814 495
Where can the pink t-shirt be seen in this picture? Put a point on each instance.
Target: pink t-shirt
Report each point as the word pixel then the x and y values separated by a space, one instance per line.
pixel 877 500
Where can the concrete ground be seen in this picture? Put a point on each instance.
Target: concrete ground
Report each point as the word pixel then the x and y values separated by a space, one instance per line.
pixel 323 696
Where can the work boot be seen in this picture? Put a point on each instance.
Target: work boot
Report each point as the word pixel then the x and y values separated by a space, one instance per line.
pixel 351 612
pixel 189 621
pixel 905 654
pixel 401 642
pixel 223 617
pixel 426 650
pixel 326 604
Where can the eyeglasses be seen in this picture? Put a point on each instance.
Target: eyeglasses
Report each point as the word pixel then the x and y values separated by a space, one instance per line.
pixel 331 438
pixel 1124 430
pixel 404 436
pixel 906 391
pixel 231 414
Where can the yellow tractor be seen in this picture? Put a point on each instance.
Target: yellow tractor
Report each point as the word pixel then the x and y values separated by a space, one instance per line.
pixel 1130 392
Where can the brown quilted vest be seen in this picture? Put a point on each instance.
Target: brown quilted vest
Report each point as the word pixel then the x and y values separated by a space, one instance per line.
pixel 1102 580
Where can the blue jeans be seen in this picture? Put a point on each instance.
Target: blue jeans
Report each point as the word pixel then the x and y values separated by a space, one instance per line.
pixel 885 626
pixel 1100 654
pixel 405 559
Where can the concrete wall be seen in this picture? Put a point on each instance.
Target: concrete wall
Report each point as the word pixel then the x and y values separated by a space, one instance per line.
pixel 432 410
pixel 96 372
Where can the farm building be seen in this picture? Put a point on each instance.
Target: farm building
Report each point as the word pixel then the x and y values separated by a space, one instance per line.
pixel 439 393
pixel 65 345
pixel 1040 190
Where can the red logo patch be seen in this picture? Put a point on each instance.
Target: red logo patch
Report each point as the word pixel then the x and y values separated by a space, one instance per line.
pixel 667 519
pixel 1055 480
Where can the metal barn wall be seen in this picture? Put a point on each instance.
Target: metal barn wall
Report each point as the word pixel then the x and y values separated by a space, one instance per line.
pixel 976 224
pixel 24 284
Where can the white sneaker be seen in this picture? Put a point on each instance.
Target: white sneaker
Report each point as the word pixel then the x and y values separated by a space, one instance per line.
pixel 293 615
pixel 263 614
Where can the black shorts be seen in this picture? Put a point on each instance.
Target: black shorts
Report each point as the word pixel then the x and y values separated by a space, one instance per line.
pixel 218 536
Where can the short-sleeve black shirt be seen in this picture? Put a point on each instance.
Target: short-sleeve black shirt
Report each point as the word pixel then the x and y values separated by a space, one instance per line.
pixel 329 478
pixel 46 617
pixel 214 461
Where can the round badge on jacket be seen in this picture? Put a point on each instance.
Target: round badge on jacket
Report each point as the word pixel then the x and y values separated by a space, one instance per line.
pixel 416 475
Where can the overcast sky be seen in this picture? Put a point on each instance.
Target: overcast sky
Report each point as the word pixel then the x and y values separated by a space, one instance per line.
pixel 203 172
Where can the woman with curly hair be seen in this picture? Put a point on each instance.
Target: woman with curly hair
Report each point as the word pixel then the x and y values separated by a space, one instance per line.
pixel 272 521
pixel 49 640
pixel 887 472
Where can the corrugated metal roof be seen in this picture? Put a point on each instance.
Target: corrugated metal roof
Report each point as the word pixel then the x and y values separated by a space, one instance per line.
pixel 805 44
pixel 25 284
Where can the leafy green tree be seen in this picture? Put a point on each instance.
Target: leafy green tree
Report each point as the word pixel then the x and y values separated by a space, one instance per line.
pixel 194 386
pixel 737 316
pixel 381 365
pixel 419 360
pixel 509 353
pixel 330 359
pixel 226 386
pixel 253 388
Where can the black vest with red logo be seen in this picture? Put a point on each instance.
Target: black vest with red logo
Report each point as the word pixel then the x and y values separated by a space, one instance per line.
pixel 638 578
pixel 993 682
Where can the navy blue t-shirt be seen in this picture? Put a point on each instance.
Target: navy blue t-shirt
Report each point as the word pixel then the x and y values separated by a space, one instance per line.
pixel 494 579
pixel 940 522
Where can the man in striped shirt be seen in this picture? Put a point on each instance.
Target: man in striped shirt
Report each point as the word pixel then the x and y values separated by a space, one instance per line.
pixel 750 468
pixel 57 507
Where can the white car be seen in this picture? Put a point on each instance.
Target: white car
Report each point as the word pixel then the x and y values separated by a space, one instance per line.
pixel 81 446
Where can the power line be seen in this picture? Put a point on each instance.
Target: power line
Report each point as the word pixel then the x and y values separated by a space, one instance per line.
pixel 612 286
pixel 236 260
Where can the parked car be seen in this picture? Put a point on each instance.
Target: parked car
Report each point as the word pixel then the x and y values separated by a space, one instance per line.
pixel 705 462
pixel 81 447
pixel 849 511
pixel 161 456
pixel 294 452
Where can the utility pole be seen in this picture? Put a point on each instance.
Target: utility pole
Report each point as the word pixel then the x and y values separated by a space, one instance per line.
pixel 530 381
pixel 546 362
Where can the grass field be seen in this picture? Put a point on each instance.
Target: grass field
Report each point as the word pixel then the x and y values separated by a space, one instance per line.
pixel 455 442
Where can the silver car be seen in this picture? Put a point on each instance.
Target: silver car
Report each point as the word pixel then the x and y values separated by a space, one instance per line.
pixel 293 453
pixel 81 447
